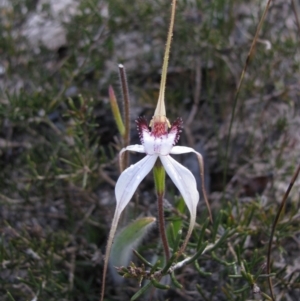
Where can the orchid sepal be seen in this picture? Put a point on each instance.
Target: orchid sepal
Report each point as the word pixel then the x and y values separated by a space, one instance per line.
pixel 185 181
pixel 130 179
pixel 176 150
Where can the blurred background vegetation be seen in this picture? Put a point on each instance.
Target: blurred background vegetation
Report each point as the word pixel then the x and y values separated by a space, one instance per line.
pixel 59 142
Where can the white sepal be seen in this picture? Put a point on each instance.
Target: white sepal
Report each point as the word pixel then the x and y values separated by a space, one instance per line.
pixel 186 184
pixel 129 180
pixel 184 181
pixel 176 150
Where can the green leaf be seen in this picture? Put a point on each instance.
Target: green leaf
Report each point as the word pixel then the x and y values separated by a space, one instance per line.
pixel 11 298
pixel 141 291
pixel 127 240
pixel 116 111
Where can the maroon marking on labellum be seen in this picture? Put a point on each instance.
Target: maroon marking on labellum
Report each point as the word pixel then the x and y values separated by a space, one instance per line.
pixel 177 128
pixel 142 126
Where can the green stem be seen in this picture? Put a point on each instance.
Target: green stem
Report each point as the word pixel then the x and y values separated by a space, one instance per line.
pixel 159 179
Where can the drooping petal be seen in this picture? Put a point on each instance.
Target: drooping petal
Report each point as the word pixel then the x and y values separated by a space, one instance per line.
pixel 133 148
pixel 129 180
pixel 186 184
pixel 177 150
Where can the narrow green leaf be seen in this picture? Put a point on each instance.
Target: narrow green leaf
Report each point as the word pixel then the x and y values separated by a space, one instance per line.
pixel 159 285
pixel 200 271
pixel 175 281
pixel 141 291
pixel 202 233
pixel 141 258
pixel 11 298
pixel 116 111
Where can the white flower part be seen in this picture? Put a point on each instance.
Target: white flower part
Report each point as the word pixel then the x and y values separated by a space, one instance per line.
pixel 157 145
pixel 177 150
pixel 130 179
pixel 161 145
pixel 133 148
pixel 166 143
pixel 184 181
pixel 148 142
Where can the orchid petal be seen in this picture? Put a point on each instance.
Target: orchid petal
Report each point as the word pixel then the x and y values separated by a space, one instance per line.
pixel 129 180
pixel 133 148
pixel 177 150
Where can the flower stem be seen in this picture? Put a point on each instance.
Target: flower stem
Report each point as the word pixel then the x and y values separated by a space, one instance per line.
pixel 159 179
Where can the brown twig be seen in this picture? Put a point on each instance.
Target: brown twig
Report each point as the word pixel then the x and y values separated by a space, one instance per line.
pixel 295 7
pixel 282 204
pixel 106 177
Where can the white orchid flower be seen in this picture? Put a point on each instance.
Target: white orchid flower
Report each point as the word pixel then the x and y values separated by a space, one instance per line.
pixel 158 143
